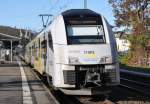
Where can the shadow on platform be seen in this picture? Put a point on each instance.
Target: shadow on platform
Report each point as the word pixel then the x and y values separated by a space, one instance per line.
pixel 11 64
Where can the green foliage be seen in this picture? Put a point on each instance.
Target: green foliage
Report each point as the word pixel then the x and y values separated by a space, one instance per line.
pixel 144 40
pixel 139 49
pixel 123 59
pixel 139 42
pixel 132 14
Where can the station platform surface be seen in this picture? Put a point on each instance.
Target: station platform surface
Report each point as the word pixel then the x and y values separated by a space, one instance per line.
pixel 14 89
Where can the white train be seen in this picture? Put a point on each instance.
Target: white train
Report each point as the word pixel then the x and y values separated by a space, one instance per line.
pixel 77 53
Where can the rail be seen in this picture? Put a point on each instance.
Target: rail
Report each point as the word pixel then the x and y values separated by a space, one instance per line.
pixel 139 74
pixel 138 83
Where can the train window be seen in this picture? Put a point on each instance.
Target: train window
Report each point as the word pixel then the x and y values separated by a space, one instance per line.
pixel 39 43
pixel 34 49
pixel 37 52
pixel 44 43
pixel 38 48
pixel 78 34
pixel 50 40
pixel 30 50
pixel 44 49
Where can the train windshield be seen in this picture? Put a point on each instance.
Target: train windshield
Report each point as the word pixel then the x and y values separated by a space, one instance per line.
pixel 85 34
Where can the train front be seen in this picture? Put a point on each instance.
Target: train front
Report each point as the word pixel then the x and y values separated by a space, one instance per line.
pixel 87 64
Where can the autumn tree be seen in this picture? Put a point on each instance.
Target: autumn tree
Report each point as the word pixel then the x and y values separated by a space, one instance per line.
pixel 134 14
pixel 131 13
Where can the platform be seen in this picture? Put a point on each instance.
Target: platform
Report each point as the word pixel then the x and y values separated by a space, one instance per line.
pixel 14 89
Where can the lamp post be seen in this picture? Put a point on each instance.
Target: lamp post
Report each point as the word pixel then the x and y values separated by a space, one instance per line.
pixel 11 43
pixel 85 4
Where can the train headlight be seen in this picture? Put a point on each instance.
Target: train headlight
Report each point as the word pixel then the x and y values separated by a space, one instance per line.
pixel 73 60
pixel 110 66
pixel 113 73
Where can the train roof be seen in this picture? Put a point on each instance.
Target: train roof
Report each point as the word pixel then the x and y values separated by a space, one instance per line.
pixel 73 13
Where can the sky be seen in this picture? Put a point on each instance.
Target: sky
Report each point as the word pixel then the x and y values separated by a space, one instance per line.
pixel 24 13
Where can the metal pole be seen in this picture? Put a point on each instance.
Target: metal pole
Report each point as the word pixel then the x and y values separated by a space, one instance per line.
pixel 11 49
pixel 85 4
pixel 45 23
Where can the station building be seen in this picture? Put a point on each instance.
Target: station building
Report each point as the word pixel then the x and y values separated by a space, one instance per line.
pixel 7 46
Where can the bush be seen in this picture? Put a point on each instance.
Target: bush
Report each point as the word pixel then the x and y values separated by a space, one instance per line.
pixel 123 59
pixel 139 49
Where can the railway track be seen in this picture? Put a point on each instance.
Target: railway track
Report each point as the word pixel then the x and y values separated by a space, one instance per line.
pixel 131 85
pixel 138 86
pixel 127 93
pixel 94 100
pixel 62 98
pixel 134 89
pixel 67 99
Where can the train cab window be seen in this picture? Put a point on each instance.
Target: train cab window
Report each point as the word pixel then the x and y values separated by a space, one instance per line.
pixel 85 34
pixel 84 29
pixel 50 40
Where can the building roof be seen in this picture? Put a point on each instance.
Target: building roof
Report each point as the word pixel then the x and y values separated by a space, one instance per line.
pixel 8 37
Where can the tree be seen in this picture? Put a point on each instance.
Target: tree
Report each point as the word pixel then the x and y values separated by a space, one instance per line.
pixel 131 13
pixel 134 14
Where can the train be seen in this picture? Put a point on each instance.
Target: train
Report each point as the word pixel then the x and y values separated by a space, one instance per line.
pixel 76 53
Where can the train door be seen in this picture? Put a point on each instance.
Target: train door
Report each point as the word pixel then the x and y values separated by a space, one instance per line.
pixel 50 59
pixel 37 61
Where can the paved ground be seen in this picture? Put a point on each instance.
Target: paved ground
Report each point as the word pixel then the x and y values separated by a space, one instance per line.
pixel 10 84
pixel 11 91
